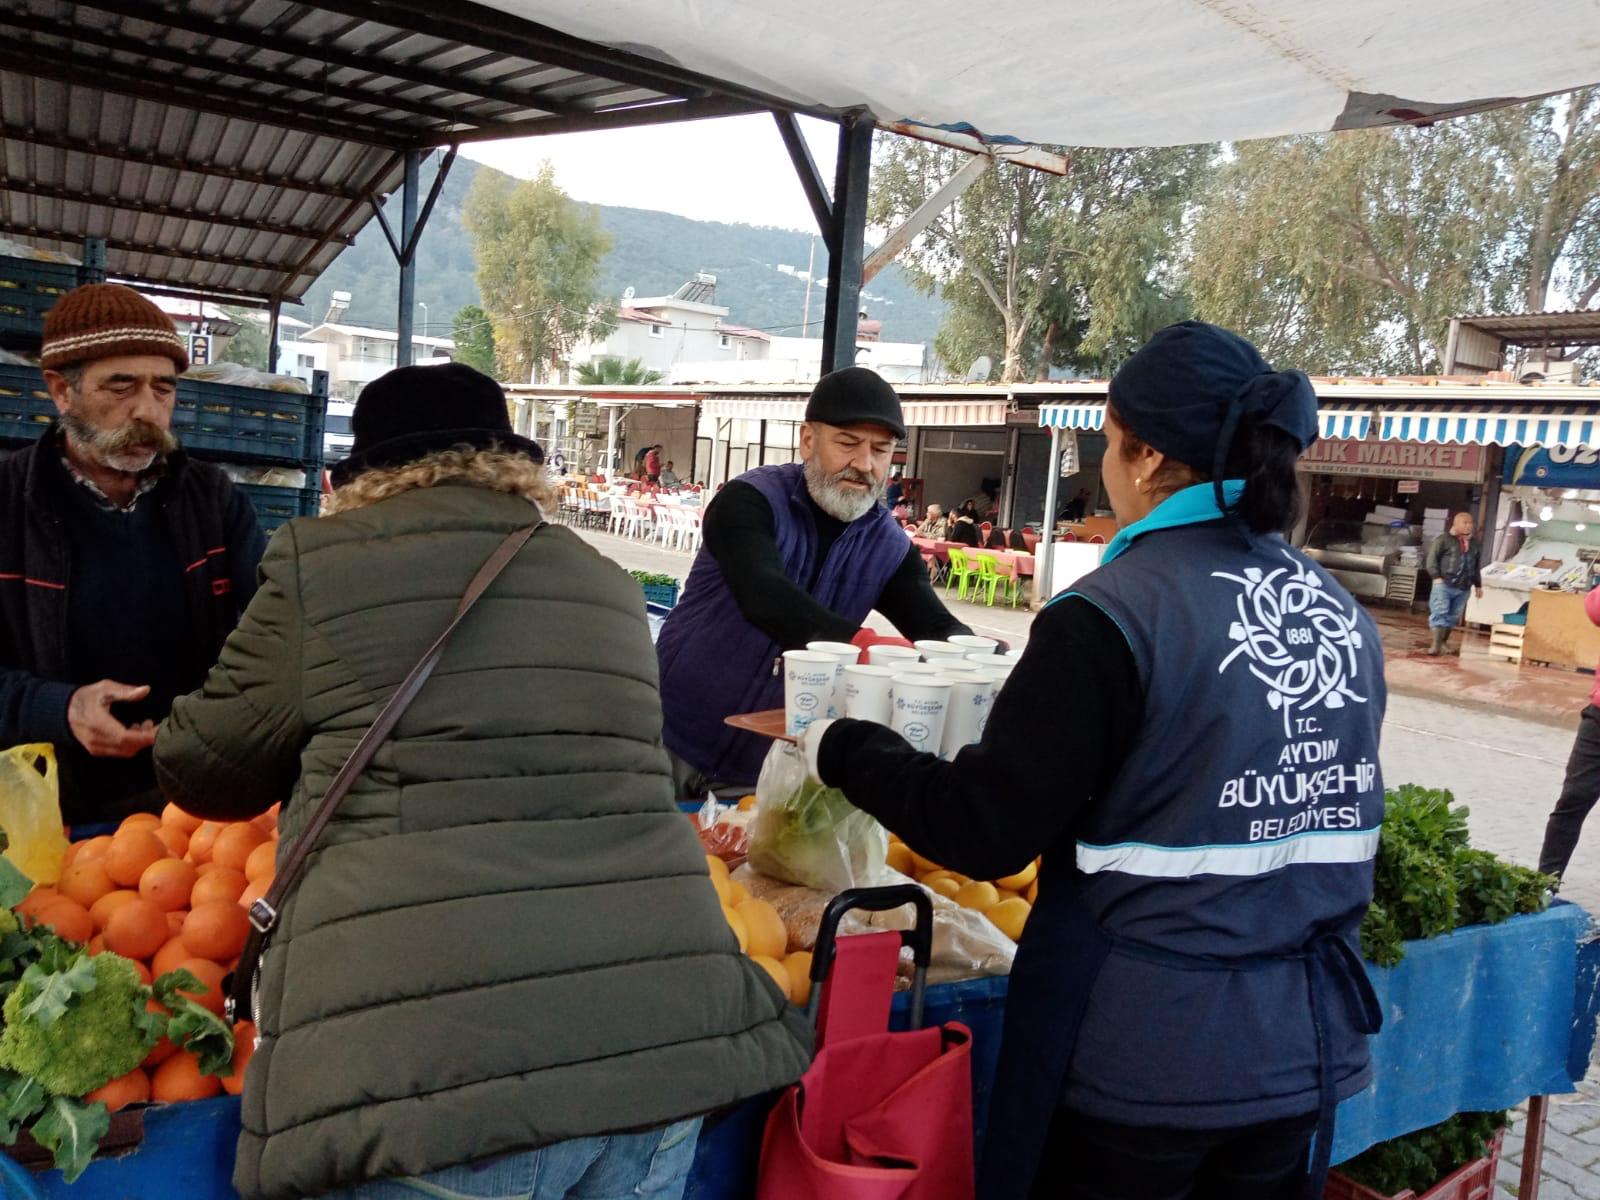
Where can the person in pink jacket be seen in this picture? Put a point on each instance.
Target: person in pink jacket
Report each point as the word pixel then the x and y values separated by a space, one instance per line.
pixel 1582 786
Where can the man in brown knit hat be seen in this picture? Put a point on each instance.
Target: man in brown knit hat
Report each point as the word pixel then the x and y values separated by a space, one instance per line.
pixel 123 564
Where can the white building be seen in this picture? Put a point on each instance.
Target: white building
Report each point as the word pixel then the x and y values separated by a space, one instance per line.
pixel 354 355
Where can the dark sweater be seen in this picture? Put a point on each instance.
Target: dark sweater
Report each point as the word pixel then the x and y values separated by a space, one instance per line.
pixel 740 534
pixel 1060 729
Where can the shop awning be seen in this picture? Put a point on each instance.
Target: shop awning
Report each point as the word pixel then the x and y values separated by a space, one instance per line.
pixel 1530 425
pixel 964 414
pixel 1344 424
pixel 1090 415
pixel 754 408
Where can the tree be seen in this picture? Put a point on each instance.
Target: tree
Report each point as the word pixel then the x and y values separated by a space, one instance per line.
pixel 538 257
pixel 614 370
pixel 473 334
pixel 1040 270
pixel 1350 252
pixel 247 347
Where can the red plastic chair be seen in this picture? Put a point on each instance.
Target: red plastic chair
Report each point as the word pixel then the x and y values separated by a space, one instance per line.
pixel 1097 540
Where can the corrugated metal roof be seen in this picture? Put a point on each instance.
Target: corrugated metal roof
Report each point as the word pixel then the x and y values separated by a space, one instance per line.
pixel 232 146
pixel 1563 328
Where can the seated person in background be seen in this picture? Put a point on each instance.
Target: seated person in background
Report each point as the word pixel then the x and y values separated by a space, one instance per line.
pixel 669 477
pixel 1077 507
pixel 934 525
pixel 964 528
pixel 1018 542
pixel 996 540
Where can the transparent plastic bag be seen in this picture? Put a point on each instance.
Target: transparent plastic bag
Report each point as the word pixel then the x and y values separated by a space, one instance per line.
pixel 30 811
pixel 808 834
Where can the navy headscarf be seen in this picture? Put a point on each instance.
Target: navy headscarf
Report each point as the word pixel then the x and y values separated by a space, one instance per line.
pixel 1186 390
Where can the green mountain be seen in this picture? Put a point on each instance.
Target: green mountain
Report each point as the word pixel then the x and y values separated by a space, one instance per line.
pixel 653 253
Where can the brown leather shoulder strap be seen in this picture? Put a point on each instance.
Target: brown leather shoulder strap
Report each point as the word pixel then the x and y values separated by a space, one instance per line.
pixel 264 912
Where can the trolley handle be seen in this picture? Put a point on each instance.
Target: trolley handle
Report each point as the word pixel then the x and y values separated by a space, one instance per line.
pixel 879 899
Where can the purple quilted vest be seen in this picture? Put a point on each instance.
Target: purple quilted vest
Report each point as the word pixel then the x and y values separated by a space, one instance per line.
pixel 714 663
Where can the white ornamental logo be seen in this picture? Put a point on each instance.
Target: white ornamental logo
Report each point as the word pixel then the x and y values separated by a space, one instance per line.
pixel 1299 640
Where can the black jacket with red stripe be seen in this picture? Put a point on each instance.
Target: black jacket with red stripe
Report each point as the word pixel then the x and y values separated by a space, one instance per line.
pixel 195 523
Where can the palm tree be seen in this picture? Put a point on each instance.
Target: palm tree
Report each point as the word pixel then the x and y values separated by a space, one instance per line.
pixel 612 370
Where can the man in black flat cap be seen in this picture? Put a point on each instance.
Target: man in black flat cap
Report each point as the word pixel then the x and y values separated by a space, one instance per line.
pixel 792 554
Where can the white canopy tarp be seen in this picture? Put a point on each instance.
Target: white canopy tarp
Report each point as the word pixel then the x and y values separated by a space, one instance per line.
pixel 1130 73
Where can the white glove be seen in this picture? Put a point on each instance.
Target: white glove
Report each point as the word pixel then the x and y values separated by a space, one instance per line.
pixel 811 745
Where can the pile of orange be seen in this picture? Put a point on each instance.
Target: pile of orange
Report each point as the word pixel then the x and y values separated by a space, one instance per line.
pixel 166 892
pixel 761 934
pixel 1007 902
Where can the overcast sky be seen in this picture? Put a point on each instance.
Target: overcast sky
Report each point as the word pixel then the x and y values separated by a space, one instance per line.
pixel 733 169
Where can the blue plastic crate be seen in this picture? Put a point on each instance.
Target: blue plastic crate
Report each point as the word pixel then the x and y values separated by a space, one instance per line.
pixel 29 289
pixel 663 594
pixel 275 505
pixel 213 420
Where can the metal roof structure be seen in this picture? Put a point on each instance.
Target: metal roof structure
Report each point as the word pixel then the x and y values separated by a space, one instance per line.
pixel 235 147
pixel 1580 328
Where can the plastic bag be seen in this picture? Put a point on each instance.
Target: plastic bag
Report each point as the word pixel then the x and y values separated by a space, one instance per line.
pixel 808 834
pixel 239 375
pixel 30 811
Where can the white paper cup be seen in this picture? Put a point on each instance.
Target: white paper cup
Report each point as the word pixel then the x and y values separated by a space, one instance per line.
pixel 970 701
pixel 985 658
pixel 935 651
pixel 959 669
pixel 891 656
pixel 807 688
pixel 1011 656
pixel 866 693
pixel 972 642
pixel 932 670
pixel 845 655
pixel 920 704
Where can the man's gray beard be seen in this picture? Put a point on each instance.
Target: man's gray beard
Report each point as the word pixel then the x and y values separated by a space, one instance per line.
pixel 132 449
pixel 840 503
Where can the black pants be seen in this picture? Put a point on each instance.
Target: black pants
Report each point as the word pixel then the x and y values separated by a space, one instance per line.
pixel 1578 794
pixel 1090 1159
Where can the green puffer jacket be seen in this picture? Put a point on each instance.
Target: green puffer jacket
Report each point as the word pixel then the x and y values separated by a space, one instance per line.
pixel 507 936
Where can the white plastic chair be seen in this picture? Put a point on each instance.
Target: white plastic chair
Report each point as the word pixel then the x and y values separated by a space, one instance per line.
pixel 689 529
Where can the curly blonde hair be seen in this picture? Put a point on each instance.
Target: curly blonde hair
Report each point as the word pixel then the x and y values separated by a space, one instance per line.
pixel 497 470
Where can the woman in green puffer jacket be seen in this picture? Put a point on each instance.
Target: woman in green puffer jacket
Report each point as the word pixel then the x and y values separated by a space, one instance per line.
pixel 505 961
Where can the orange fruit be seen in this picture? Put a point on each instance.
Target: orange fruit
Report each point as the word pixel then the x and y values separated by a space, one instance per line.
pixel 224 883
pixel 774 968
pixel 175 920
pixel 167 882
pixel 254 892
pixel 244 1045
pixel 85 883
pixel 211 976
pixel 132 1088
pixel 201 839
pixel 130 853
pixel 1020 881
pixel 164 1049
pixel 97 944
pixel 216 930
pixel 263 861
pixel 68 918
pixel 946 887
pixel 979 896
pixel 269 819
pixel 100 911
pixel 1032 894
pixel 175 840
pixel 736 923
pixel 169 958
pixel 768 937
pixel 234 844
pixel 798 965
pixel 35 900
pixel 1009 916
pixel 137 930
pixel 204 868
pixel 143 972
pixel 139 820
pixel 176 818
pixel 179 1079
pixel 71 855
pixel 94 848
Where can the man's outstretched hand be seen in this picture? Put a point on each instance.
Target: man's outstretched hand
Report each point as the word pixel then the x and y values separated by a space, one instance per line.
pixel 100 733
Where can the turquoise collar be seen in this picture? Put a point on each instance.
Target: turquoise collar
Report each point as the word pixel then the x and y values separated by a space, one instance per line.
pixel 1192 506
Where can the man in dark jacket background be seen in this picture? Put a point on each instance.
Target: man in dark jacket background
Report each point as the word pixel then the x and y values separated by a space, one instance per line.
pixel 1455 562
pixel 123 565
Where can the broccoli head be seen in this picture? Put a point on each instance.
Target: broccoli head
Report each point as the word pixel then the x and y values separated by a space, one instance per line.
pixel 78 1026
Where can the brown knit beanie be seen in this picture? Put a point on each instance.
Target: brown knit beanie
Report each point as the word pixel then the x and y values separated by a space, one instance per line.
pixel 104 320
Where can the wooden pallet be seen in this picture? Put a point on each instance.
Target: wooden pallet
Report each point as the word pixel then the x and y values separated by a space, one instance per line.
pixel 1505 641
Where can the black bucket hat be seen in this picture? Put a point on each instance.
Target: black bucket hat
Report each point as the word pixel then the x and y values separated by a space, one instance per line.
pixel 415 411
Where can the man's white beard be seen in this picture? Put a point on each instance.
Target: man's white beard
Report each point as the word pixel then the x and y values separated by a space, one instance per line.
pixel 839 502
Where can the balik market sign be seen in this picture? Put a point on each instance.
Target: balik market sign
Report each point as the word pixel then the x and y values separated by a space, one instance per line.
pixel 1395 460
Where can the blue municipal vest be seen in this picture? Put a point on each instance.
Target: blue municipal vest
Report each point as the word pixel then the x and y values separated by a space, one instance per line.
pixel 1243 824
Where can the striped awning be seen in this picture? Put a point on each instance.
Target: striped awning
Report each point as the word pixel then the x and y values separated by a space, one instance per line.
pixel 1089 415
pixel 1344 424
pixel 1530 425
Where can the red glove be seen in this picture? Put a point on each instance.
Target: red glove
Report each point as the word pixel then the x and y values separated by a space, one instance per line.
pixel 867 638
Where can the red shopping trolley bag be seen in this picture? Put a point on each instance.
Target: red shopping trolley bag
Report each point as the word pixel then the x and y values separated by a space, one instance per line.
pixel 880 1115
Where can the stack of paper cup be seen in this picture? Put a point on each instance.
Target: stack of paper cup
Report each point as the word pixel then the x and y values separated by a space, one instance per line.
pixel 1011 656
pixel 971 697
pixel 866 693
pixel 933 670
pixel 807 688
pixel 997 680
pixel 920 704
pixel 845 655
pixel 972 643
pixel 891 656
pixel 933 651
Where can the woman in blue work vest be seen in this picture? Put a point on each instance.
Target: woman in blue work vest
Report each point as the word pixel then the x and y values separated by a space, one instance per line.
pixel 1191 742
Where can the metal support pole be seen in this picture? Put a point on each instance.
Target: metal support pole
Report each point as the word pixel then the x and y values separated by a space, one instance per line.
pixel 846 243
pixel 1533 1147
pixel 274 311
pixel 1047 539
pixel 694 444
pixel 761 454
pixel 926 212
pixel 408 263
pixel 611 442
